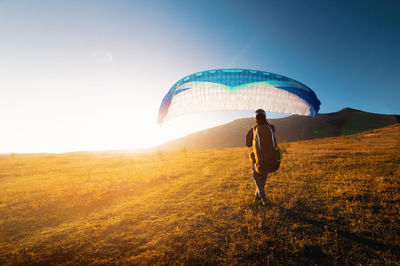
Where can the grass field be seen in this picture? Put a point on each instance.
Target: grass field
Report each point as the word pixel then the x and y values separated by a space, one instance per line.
pixel 334 201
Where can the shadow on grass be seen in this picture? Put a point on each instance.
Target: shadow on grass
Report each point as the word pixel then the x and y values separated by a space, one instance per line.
pixel 313 252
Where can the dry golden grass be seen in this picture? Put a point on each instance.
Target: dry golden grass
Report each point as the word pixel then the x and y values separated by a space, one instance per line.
pixel 334 201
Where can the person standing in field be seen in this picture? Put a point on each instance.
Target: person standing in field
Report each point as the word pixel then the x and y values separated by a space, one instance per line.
pixel 264 152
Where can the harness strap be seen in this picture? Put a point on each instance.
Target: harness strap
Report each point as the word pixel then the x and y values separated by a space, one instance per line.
pixel 258 139
pixel 273 139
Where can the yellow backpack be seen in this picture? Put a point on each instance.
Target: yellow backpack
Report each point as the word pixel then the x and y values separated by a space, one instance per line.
pixel 267 154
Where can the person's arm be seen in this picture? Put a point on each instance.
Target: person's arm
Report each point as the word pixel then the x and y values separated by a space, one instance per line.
pixel 249 138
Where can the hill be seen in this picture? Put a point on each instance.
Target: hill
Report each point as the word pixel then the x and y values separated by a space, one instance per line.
pixel 293 128
pixel 334 201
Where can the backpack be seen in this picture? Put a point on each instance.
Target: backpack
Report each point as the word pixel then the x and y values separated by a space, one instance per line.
pixel 267 154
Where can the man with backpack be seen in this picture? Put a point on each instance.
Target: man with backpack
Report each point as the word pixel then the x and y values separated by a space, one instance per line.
pixel 265 155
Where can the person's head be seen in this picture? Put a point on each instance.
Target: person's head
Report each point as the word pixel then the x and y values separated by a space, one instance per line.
pixel 260 115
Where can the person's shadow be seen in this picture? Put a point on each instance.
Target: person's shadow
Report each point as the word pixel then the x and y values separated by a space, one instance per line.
pixel 313 254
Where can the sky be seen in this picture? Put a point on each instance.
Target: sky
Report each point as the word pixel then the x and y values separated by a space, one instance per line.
pixel 90 75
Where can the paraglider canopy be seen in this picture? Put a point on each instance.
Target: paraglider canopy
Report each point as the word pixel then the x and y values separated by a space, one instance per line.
pixel 237 89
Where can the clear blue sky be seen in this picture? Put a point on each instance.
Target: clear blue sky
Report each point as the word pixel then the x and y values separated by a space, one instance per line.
pixel 84 75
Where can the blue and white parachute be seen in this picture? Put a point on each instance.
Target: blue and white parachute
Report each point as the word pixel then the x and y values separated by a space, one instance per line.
pixel 237 89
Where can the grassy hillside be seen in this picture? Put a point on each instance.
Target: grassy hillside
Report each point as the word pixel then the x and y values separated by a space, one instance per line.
pixel 334 200
pixel 293 128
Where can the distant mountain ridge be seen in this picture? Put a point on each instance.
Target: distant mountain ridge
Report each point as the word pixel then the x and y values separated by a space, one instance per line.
pixel 293 128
